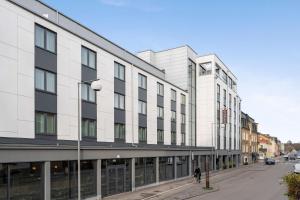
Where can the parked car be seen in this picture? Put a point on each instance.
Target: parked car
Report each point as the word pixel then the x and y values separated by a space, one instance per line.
pixel 297 168
pixel 286 157
pixel 270 161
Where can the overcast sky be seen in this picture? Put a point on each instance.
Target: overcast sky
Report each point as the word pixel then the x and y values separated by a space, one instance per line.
pixel 259 40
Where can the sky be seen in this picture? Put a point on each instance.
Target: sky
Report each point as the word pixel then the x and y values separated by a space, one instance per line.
pixel 259 40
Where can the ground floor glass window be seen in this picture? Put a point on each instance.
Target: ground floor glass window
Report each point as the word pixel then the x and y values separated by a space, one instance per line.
pixel 64 179
pixel 144 171
pixel 166 168
pixel 182 166
pixel 115 176
pixel 21 181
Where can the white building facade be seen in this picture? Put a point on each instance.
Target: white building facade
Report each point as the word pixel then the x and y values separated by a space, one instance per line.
pixel 139 130
pixel 214 102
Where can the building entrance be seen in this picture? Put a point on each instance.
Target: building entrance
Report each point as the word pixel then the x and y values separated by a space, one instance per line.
pixel 116 176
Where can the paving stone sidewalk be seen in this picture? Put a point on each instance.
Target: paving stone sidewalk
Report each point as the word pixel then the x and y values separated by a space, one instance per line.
pixel 183 189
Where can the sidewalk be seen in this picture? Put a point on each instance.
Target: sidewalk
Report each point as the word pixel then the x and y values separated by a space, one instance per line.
pixel 161 191
pixel 184 189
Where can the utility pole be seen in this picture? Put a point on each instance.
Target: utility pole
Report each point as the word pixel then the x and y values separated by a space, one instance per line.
pixel 207 173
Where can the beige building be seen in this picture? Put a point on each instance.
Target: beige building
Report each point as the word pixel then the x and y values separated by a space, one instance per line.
pixel 249 139
pixel 268 146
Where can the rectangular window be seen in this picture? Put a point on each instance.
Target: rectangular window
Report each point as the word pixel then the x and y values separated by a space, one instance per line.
pixel 224 97
pixel 23 180
pixel 230 82
pixel 45 39
pixel 173 95
pixel 173 116
pixel 182 138
pixel 45 123
pixel 142 81
pixel 119 131
pixel 88 128
pixel 160 112
pixel 50 41
pixel 87 93
pixel 160 136
pixel 182 118
pixel 218 92
pixel 160 89
pixel 119 71
pixel 142 134
pixel 183 99
pixel 64 178
pixel 234 103
pixel 142 107
pixel 224 76
pixel 119 101
pixel 88 57
pixel 173 137
pixel 45 80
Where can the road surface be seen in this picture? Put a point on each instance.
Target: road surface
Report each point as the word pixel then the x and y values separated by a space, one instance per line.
pixel 258 182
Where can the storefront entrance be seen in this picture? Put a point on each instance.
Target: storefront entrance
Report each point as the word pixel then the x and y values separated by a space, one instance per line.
pixel 116 176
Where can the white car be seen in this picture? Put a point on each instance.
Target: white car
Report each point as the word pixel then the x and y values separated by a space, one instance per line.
pixel 297 168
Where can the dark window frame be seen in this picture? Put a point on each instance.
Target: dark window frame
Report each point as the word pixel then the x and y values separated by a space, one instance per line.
pixel 89 121
pixel 45 81
pixel 173 134
pixel 118 98
pixel 119 65
pixel 175 92
pixel 144 102
pixel 119 139
pixel 163 112
pixel 88 94
pixel 45 123
pixel 88 57
pixel 160 86
pixel 158 136
pixel 45 38
pixel 172 119
pixel 142 140
pixel 145 77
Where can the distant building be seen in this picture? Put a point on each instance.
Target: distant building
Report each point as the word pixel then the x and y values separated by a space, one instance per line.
pixel 288 147
pixel 249 139
pixel 268 146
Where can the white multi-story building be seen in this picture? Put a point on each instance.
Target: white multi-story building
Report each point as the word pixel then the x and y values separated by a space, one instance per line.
pixel 139 130
pixel 219 109
pixel 214 104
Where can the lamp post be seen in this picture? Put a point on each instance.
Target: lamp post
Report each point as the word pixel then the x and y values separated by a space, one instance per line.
pixel 96 86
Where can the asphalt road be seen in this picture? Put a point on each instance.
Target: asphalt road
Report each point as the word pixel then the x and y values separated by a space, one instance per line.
pixel 258 182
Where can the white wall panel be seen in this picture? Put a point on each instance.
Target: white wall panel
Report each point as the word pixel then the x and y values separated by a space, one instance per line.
pixel 8 114
pixel 167 117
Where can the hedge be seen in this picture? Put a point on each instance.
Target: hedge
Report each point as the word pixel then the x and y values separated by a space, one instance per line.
pixel 293 183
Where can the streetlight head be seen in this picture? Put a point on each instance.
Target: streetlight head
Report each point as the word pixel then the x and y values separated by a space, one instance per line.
pixel 95 85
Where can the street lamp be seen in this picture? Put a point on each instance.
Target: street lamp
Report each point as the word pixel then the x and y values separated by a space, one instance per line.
pixel 96 86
